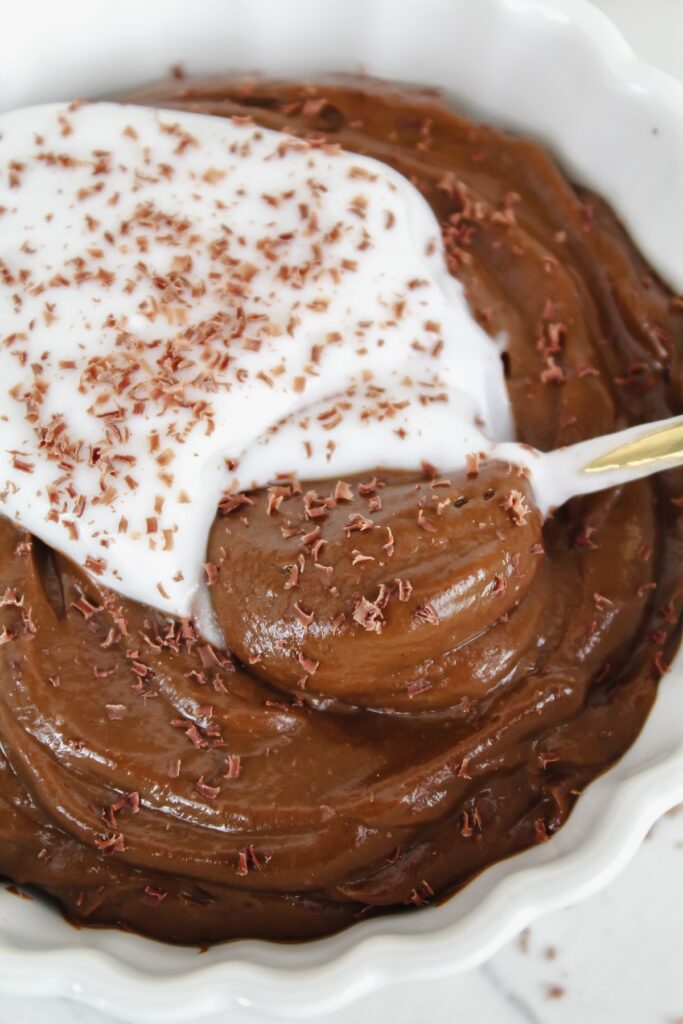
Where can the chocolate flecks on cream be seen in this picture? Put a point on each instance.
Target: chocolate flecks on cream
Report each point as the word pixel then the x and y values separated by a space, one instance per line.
pixel 317 770
pixel 192 305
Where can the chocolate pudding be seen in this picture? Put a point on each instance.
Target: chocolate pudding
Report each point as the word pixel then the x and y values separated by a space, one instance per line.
pixel 420 675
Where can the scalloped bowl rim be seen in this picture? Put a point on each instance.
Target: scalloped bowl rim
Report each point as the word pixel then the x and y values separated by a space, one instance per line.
pixel 604 830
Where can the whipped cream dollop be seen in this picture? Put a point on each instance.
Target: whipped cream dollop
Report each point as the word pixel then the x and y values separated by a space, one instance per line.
pixel 191 306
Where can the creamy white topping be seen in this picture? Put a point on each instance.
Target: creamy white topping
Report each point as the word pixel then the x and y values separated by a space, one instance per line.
pixel 191 306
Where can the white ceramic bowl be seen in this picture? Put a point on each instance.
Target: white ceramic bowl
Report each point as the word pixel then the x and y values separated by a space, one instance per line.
pixel 553 69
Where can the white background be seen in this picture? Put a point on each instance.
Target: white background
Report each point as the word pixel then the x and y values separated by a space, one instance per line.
pixel 613 959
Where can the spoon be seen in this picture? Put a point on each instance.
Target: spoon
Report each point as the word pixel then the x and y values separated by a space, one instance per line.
pixel 601 462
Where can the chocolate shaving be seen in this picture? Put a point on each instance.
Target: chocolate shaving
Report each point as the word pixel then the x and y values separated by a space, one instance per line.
pixel 230 502
pixel 472 460
pixel 517 507
pixel 205 790
pixel 154 895
pixel 211 571
pixel 113 844
pixel 115 712
pixel 11 598
pixel 426 613
pixel 343 492
pixel 233 766
pixel 424 523
pixel 540 830
pixel 85 607
pixel 368 615
pixel 309 665
pixel 304 617
pixel 415 686
pixel 357 522
pixel 191 731
pixel 7 636
pixel 404 589
pixel 358 558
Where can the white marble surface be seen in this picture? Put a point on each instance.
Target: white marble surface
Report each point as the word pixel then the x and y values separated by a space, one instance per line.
pixel 614 957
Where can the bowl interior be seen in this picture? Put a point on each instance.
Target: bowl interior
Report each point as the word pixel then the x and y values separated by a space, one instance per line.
pixel 551 69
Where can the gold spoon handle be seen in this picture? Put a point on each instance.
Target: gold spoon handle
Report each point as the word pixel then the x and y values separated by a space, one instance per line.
pixel 664 446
